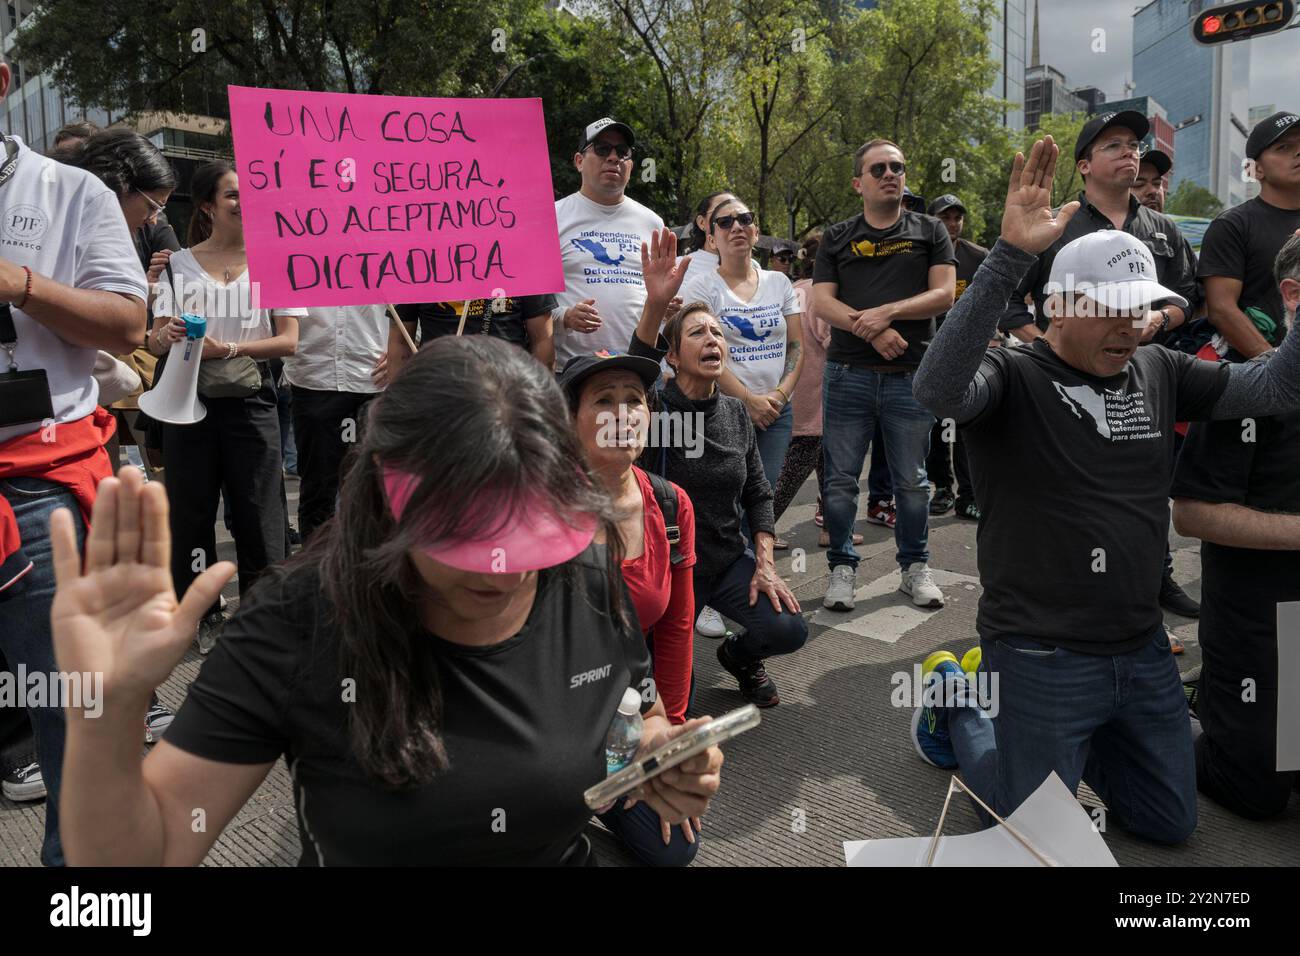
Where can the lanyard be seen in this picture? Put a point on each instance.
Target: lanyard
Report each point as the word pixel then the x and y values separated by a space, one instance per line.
pixel 11 161
pixel 8 334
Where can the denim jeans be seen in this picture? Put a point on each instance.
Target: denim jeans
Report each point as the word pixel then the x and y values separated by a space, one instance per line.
pixel 880 487
pixel 854 400
pixel 639 829
pixel 765 633
pixel 773 442
pixel 1118 722
pixel 25 635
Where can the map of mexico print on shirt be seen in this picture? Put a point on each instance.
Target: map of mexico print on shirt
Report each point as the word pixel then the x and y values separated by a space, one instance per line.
pixel 1116 416
pixel 608 251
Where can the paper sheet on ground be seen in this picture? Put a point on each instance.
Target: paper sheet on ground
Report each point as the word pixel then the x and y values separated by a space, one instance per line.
pixel 1288 674
pixel 1051 819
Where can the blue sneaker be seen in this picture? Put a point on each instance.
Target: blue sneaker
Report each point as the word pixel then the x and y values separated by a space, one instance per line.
pixel 930 724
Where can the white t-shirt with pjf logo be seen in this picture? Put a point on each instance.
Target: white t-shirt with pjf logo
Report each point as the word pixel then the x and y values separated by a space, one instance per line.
pixel 755 330
pixel 64 224
pixel 601 249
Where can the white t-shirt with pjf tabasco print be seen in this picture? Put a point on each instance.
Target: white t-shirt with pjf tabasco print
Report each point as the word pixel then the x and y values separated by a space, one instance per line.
pixel 755 330
pixel 66 225
pixel 601 249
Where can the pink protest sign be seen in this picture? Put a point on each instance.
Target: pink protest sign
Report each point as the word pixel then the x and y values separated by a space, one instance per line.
pixel 350 199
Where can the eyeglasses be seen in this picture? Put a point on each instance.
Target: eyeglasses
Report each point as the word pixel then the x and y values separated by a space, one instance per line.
pixel 726 222
pixel 155 208
pixel 604 149
pixel 784 256
pixel 877 170
pixel 1118 149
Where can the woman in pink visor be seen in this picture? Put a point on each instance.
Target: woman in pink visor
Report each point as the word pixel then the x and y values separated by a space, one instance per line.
pixel 439 668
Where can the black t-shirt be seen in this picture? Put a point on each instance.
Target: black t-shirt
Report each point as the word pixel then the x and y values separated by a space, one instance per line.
pixel 1242 243
pixel 506 318
pixel 1241 587
pixel 1072 476
pixel 874 267
pixel 969 257
pixel 524 725
pixel 1174 258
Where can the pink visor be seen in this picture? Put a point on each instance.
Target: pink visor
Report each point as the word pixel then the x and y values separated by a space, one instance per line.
pixel 536 538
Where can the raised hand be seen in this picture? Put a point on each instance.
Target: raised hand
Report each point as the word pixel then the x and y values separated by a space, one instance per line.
pixel 1027 219
pixel 662 271
pixel 119 615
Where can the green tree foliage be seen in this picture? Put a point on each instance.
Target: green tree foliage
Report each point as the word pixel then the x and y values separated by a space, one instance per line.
pixel 769 97
pixel 1192 199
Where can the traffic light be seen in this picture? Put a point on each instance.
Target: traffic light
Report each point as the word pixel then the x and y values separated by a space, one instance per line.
pixel 1241 21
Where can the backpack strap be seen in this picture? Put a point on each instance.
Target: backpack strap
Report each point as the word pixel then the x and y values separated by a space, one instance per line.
pixel 666 496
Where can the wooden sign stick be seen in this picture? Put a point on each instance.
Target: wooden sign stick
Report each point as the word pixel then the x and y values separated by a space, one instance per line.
pixel 464 311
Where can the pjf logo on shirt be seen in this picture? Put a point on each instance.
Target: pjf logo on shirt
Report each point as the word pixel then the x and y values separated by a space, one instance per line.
pixel 25 223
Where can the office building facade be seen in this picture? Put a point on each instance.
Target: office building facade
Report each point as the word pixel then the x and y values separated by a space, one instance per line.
pixel 1047 91
pixel 1204 91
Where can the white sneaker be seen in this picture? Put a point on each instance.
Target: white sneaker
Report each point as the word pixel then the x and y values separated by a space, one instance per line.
pixel 710 624
pixel 839 592
pixel 918 581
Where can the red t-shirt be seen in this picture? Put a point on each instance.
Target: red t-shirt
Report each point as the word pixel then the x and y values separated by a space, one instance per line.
pixel 664 598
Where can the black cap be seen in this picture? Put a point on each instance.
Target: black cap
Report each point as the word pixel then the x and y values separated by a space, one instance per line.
pixel 581 367
pixel 1159 159
pixel 946 201
pixel 1130 119
pixel 593 130
pixel 1268 131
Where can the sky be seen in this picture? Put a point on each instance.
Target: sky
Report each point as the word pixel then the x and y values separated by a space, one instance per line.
pixel 1065 42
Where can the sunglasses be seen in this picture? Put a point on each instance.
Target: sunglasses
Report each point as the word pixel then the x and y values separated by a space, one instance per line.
pixel 726 222
pixel 154 209
pixel 784 256
pixel 877 170
pixel 604 149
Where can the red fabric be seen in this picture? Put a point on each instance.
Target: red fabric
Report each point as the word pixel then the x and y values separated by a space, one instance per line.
pixel 75 459
pixel 664 597
pixel 1206 353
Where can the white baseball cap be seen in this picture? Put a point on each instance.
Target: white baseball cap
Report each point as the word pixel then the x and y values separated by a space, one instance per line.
pixel 1112 268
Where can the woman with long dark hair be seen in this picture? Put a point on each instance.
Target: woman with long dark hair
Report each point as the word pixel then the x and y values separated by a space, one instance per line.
pixel 143 180
pixel 723 474
pixel 235 448
pixel 439 667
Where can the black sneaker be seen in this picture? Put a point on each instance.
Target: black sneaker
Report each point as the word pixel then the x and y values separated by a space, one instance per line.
pixel 942 502
pixel 1173 598
pixel 156 721
pixel 23 784
pixel 966 508
pixel 755 686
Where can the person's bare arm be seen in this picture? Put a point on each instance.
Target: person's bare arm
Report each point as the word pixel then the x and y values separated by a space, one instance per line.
pixel 1221 296
pixel 1027 333
pixel 116 810
pixel 1236 526
pixel 541 339
pixel 85 318
pixel 115 615
pixel 284 342
pixel 793 354
pixel 398 350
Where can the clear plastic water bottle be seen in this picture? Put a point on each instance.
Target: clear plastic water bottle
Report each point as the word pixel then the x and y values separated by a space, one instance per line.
pixel 624 735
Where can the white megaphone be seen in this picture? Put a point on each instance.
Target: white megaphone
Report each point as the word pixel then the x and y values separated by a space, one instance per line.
pixel 174 399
